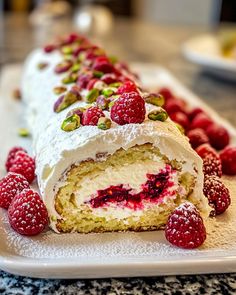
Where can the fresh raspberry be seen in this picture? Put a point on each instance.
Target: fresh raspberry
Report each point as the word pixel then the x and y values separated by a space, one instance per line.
pixel 91 116
pixel 185 227
pixel 128 86
pixel 71 38
pixel 166 92
pixel 11 156
pixel 217 194
pixel 228 159
pixel 91 83
pixel 218 136
pixel 201 121
pixel 181 119
pixel 212 166
pixel 11 185
pixel 23 164
pixel 197 137
pixel 194 112
pixel 84 79
pixel 205 150
pixel 175 105
pixel 128 108
pixel 49 48
pixel 27 213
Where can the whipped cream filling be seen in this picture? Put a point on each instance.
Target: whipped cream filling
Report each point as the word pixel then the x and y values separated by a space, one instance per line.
pixel 56 150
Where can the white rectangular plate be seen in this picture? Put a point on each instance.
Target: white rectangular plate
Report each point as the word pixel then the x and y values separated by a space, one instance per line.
pixel 51 255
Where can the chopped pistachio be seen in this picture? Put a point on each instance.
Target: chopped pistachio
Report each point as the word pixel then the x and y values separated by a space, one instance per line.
pixel 155 99
pixel 104 123
pixel 115 84
pixel 113 59
pixel 67 80
pixel 75 67
pixel 67 50
pixel 42 65
pixel 71 123
pixel 65 100
pixel 59 89
pixel 92 95
pixel 24 132
pixel 158 115
pixel 108 91
pixel 76 111
pixel 180 127
pixel 98 74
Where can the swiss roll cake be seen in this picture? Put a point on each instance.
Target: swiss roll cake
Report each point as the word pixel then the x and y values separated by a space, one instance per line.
pixel 108 158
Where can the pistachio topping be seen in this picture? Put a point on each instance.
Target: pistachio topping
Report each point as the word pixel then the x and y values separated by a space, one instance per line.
pixel 65 100
pixel 75 67
pixel 24 132
pixel 59 89
pixel 158 115
pixel 155 99
pixel 180 127
pixel 76 111
pixel 115 84
pixel 98 74
pixel 63 67
pixel 104 123
pixel 92 95
pixel 71 123
pixel 103 102
pixel 108 91
pixel 67 50
pixel 42 65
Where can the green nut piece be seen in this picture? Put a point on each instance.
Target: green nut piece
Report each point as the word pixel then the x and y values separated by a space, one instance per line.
pixel 113 59
pixel 155 99
pixel 180 127
pixel 108 91
pixel 59 89
pixel 92 95
pixel 75 67
pixel 65 101
pixel 42 65
pixel 67 80
pixel 104 123
pixel 98 74
pixel 115 84
pixel 158 115
pixel 23 132
pixel 67 50
pixel 71 123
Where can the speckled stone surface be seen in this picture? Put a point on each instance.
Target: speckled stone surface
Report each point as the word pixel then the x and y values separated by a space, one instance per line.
pixel 180 285
pixel 134 41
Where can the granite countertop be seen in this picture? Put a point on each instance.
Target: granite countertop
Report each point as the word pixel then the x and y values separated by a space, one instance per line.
pixel 133 41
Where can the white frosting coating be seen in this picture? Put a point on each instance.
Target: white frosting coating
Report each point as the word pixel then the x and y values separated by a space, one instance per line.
pixel 56 150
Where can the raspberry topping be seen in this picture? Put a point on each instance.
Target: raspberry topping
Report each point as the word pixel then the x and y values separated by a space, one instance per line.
pixel 228 159
pixel 166 92
pixel 201 121
pixel 181 119
pixel 197 137
pixel 128 108
pixel 23 164
pixel 194 112
pixel 11 185
pixel 128 86
pixel 11 156
pixel 217 194
pixel 212 166
pixel 102 64
pixel 91 116
pixel 185 227
pixel 205 150
pixel 218 136
pixel 175 105
pixel 27 213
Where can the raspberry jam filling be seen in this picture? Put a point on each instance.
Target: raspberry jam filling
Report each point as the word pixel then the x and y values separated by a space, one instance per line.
pixel 156 187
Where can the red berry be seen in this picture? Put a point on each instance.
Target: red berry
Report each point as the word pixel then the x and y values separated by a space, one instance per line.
pixel 25 165
pixel 212 166
pixel 71 38
pixel 228 159
pixel 91 116
pixel 11 185
pixel 218 136
pixel 27 213
pixel 84 79
pixel 11 156
pixel 102 64
pixel 175 105
pixel 185 227
pixel 197 137
pixel 181 119
pixel 201 121
pixel 166 92
pixel 128 108
pixel 194 112
pixel 217 194
pixel 206 150
pixel 128 86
